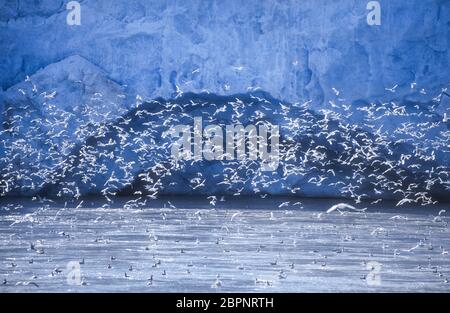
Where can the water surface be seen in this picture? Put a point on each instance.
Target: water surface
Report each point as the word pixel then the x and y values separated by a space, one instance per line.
pixel 240 245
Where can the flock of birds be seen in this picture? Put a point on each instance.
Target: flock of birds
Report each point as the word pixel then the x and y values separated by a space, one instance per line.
pixel 368 153
pixel 363 152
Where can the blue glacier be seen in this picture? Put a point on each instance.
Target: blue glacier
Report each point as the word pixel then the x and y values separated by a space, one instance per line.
pixel 378 93
pixel 295 50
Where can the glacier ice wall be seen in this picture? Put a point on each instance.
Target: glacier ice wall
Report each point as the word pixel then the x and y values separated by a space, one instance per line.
pixel 338 88
pixel 296 50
